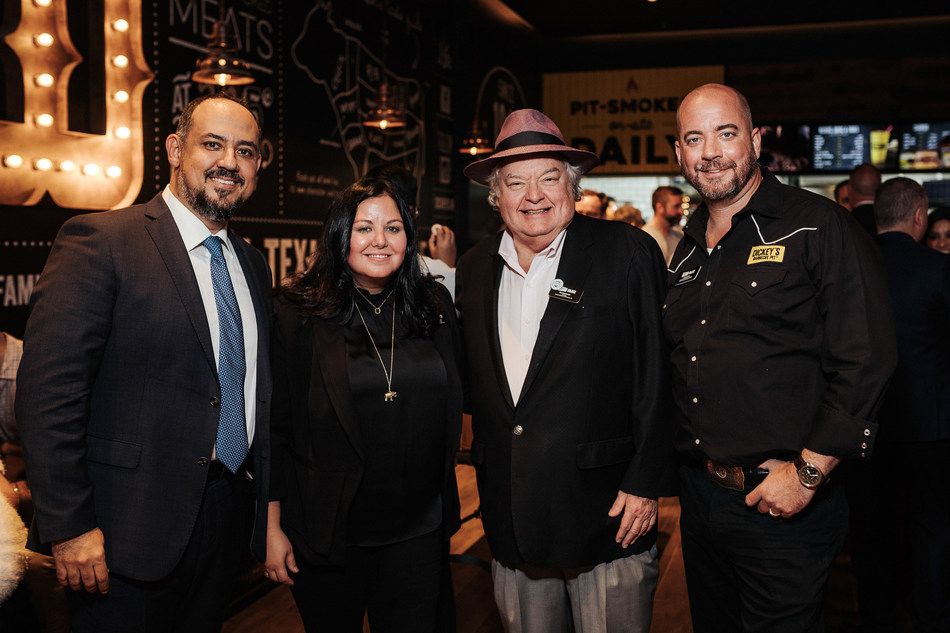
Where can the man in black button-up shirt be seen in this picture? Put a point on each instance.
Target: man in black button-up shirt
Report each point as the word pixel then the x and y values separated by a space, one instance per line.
pixel 779 321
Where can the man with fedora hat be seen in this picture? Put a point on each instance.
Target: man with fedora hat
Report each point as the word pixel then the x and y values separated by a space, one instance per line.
pixel 569 392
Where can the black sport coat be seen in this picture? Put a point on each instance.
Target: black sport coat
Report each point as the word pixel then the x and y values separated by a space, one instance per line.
pixel 593 416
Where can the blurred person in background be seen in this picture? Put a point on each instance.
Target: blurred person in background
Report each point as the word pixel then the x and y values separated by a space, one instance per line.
pixel 664 226
pixel 592 204
pixel 843 194
pixel 937 235
pixel 629 214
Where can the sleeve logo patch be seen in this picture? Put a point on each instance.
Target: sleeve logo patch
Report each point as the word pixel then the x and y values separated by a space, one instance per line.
pixel 761 254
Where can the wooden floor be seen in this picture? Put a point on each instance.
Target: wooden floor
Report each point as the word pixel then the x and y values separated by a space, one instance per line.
pixel 275 611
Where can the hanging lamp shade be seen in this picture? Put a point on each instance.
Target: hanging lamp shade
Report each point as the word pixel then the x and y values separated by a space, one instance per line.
pixel 222 67
pixel 385 116
pixel 476 142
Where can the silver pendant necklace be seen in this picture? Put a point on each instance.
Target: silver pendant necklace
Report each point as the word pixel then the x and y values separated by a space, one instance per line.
pixel 390 395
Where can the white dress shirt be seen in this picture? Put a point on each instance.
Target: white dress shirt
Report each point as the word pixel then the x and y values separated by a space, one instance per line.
pixel 522 300
pixel 193 233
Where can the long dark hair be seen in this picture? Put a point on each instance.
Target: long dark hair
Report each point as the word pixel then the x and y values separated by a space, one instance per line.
pixel 326 288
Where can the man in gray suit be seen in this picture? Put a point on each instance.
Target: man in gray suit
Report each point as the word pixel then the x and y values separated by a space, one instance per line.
pixel 144 390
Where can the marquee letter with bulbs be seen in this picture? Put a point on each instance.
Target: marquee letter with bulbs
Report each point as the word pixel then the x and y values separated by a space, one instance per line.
pixel 80 171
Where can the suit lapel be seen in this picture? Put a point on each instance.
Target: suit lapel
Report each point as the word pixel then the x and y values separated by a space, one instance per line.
pixel 572 270
pixel 329 360
pixel 167 239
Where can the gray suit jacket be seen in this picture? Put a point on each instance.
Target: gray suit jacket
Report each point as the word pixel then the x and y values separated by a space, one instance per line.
pixel 118 390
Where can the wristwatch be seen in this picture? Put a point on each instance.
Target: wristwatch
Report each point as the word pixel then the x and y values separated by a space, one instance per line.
pixel 809 475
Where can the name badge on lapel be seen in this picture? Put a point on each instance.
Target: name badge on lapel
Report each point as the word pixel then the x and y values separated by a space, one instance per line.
pixel 565 293
pixel 688 275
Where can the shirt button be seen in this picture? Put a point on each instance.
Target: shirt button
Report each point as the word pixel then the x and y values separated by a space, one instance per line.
pixel 203 461
pixel 695 400
pixel 664 306
pixel 708 283
pixel 697 441
pixel 864 445
pixel 754 284
pixel 718 246
pixel 518 429
pixel 867 432
pixel 527 356
pixel 703 322
pixel 214 402
pixel 693 359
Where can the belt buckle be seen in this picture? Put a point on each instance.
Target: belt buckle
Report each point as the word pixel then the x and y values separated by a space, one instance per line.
pixel 730 477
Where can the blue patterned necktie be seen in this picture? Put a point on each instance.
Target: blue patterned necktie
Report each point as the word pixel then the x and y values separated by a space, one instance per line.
pixel 231 445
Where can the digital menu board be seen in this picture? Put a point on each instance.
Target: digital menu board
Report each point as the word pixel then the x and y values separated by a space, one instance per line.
pixel 844 147
pixel 925 146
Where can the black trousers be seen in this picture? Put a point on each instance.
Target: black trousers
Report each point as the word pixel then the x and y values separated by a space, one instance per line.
pixel 397 585
pixel 195 595
pixel 748 572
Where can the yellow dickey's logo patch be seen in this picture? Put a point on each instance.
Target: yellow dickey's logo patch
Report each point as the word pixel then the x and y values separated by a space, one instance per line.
pixel 761 254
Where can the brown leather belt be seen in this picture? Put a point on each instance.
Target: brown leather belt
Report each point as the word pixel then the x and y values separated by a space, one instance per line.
pixel 734 477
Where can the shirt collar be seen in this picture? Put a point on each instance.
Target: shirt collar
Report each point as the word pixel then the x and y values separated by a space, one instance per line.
pixel 766 200
pixel 506 249
pixel 193 230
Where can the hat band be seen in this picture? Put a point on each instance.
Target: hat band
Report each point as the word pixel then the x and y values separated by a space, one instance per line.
pixel 522 139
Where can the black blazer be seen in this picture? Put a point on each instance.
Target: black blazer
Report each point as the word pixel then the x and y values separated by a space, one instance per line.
pixel 594 410
pixel 917 404
pixel 317 451
pixel 117 391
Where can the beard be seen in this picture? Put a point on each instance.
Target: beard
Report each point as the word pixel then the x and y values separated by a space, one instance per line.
pixel 724 190
pixel 217 210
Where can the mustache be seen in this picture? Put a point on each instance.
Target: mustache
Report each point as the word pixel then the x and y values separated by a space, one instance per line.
pixel 220 172
pixel 716 165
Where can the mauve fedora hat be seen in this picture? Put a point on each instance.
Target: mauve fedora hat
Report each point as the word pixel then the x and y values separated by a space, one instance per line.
pixel 527 132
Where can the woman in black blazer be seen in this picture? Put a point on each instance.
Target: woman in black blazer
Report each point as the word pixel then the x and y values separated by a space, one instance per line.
pixel 367 417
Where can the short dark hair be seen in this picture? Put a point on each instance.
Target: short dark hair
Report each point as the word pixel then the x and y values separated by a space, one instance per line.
pixel 661 191
pixel 188 114
pixel 326 288
pixel 896 201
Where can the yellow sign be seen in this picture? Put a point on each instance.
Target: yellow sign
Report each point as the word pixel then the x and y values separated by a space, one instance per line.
pixel 627 117
pixel 761 254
